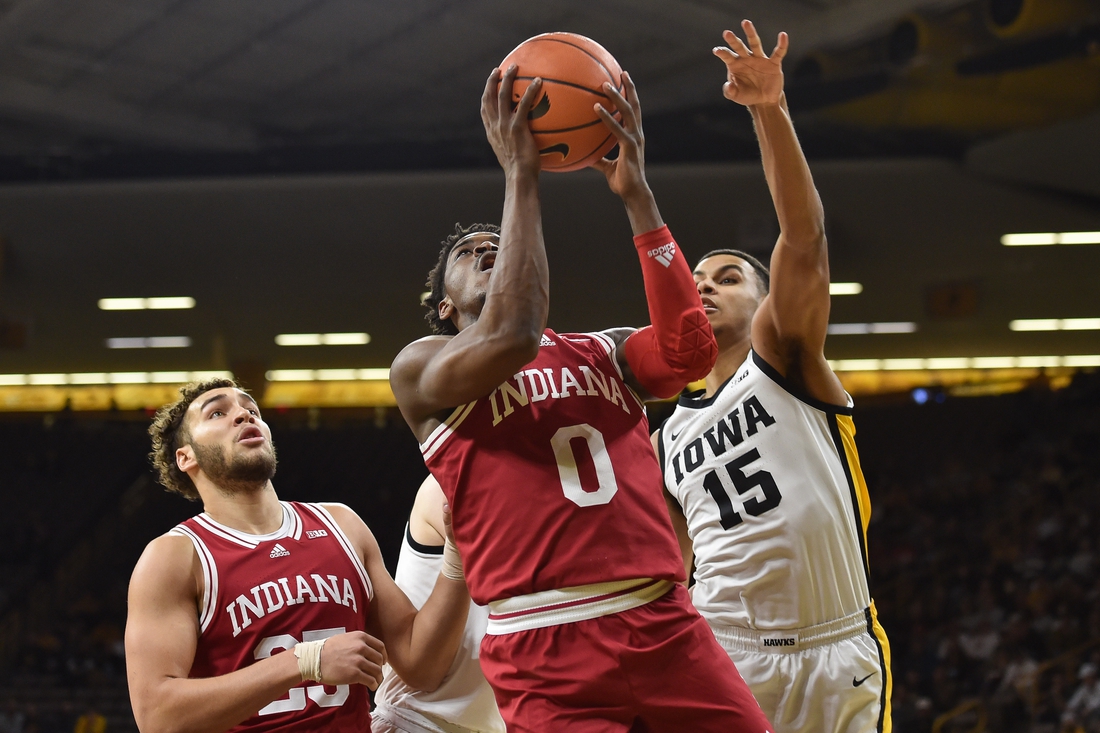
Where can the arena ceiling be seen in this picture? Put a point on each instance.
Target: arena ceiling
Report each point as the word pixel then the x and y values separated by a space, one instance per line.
pixel 132 133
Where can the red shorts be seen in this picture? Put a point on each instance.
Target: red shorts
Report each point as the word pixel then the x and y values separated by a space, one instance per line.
pixel 652 668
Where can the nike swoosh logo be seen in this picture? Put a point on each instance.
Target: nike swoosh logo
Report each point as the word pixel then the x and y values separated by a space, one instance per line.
pixel 675 435
pixel 857 683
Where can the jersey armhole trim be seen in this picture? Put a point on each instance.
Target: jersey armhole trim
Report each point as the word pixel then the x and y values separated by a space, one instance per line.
pixel 357 562
pixel 793 391
pixel 422 549
pixel 209 575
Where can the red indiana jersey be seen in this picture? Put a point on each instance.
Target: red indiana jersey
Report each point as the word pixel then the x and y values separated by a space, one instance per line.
pixel 264 594
pixel 552 478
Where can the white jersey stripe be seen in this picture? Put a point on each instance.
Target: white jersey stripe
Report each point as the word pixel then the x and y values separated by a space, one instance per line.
pixel 356 561
pixel 439 435
pixel 569 605
pixel 209 575
pixel 290 526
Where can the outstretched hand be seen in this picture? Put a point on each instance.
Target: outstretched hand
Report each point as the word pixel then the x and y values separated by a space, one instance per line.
pixel 506 127
pixel 752 77
pixel 626 174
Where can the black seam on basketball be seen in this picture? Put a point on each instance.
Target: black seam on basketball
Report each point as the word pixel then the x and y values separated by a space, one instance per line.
pixel 614 81
pixel 593 150
pixel 567 129
pixel 564 84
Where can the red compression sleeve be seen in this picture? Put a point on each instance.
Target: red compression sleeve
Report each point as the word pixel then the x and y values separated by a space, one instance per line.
pixel 679 346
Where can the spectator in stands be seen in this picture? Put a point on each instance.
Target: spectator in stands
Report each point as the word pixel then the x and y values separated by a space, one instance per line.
pixel 1083 708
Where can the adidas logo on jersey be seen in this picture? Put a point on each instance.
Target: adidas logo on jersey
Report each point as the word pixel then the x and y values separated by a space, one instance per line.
pixel 547 341
pixel 663 254
pixel 314 534
pixel 279 551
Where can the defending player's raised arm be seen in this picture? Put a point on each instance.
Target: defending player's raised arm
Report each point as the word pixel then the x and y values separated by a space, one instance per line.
pixel 435 374
pixel 789 329
pixel 420 645
pixel 678 347
pixel 162 631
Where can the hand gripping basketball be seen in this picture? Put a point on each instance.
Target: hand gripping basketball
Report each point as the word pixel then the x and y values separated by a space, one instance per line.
pixel 505 127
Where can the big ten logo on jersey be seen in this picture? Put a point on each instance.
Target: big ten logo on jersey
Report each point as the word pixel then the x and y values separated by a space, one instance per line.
pixel 536 385
pixel 272 597
pixel 296 697
pixel 718 440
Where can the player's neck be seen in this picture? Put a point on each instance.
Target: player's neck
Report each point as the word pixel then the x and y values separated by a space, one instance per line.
pixel 253 512
pixel 730 357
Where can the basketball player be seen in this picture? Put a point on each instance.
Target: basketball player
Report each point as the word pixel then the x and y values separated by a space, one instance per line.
pixel 262 615
pixel 540 443
pixel 463 702
pixel 762 464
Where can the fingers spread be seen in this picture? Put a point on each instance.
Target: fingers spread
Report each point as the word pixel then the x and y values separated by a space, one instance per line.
pixel 610 121
pixel 504 93
pixel 727 56
pixel 737 45
pixel 753 36
pixel 490 86
pixel 527 101
pixel 781 47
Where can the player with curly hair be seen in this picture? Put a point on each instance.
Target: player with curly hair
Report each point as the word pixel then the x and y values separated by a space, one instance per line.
pixel 266 615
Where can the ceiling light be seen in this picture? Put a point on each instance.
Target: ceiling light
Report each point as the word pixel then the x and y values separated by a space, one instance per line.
pixel 845 288
pixel 849 329
pixel 155 342
pixel 1040 239
pixel 94 378
pixel 46 379
pixel 137 304
pixel 325 375
pixel 1055 324
pixel 322 339
pixel 962 362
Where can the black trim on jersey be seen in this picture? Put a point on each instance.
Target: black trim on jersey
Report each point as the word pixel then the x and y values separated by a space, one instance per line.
pixel 882 666
pixel 793 391
pixel 838 441
pixel 423 549
pixel 661 451
pixel 696 401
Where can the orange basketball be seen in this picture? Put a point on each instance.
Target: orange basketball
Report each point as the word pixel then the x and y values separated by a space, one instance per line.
pixel 573 69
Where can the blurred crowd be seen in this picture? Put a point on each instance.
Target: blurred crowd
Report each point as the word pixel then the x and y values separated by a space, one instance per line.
pixel 983 551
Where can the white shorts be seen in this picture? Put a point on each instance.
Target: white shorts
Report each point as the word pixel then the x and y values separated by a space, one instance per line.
pixel 385 719
pixel 831 678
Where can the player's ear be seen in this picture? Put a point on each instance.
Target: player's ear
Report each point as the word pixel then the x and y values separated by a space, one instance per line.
pixel 446 308
pixel 185 458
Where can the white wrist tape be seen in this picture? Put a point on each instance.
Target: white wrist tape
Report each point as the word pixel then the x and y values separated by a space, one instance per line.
pixel 308 654
pixel 452 562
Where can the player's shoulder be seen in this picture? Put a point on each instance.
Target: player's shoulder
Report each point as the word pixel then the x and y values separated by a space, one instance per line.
pixel 413 356
pixel 167 560
pixel 350 523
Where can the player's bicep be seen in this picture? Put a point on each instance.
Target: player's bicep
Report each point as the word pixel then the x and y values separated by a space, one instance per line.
pixel 162 625
pixel 795 313
pixel 390 609
pixel 435 374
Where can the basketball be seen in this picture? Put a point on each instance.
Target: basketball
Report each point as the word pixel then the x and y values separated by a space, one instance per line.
pixel 573 70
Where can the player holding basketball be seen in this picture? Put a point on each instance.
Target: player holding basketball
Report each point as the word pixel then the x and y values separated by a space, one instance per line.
pixel 541 446
pixel 262 615
pixel 463 702
pixel 762 464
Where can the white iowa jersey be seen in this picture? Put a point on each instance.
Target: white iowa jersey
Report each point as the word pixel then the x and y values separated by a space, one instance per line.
pixel 464 697
pixel 775 502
